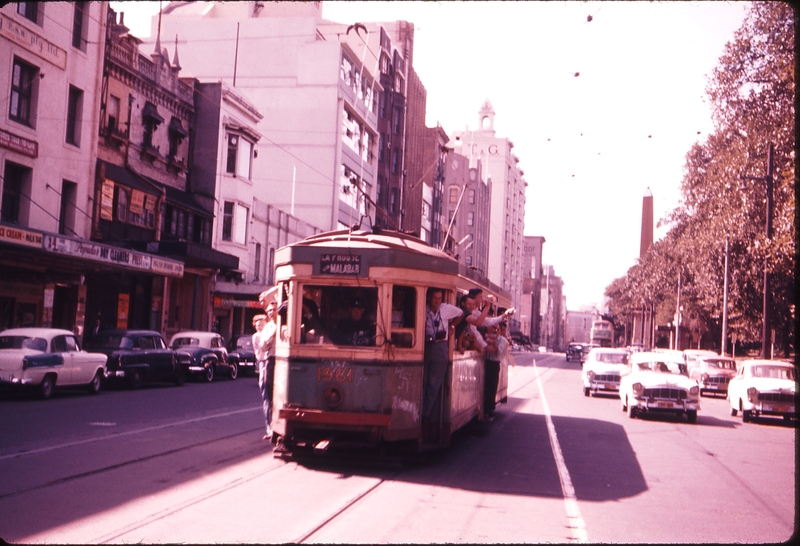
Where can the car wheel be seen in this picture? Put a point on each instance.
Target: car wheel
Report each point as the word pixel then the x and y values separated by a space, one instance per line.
pixel 234 368
pixel 135 380
pixel 631 411
pixel 624 404
pixel 733 411
pixel 46 387
pixel 210 371
pixel 587 391
pixel 691 416
pixel 747 416
pixel 94 386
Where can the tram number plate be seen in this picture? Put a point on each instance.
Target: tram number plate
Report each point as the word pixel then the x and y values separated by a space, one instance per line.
pixel 329 373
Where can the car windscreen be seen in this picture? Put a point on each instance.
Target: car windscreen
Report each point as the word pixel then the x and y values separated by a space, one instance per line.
pixel 663 367
pixel 185 342
pixel 721 364
pixel 23 342
pixel 111 341
pixel 773 372
pixel 244 343
pixel 612 358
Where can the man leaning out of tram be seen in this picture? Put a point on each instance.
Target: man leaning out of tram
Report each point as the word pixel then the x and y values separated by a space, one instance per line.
pixel 438 318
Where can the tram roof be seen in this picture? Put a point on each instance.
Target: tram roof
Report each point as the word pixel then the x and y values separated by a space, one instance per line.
pixel 407 251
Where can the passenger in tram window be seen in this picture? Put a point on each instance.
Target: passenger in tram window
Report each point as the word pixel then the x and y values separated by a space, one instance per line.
pixel 398 307
pixel 438 318
pixel 356 328
pixel 311 325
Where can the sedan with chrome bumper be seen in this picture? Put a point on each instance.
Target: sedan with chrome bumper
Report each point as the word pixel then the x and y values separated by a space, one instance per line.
pixel 203 354
pixel 602 370
pixel 657 383
pixel 764 387
pixel 42 359
pixel 137 356
pixel 713 373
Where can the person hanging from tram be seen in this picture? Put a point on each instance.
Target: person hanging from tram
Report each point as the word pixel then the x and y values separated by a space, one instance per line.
pixel 438 318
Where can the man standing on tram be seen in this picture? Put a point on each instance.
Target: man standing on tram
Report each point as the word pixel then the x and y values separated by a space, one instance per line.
pixel 437 325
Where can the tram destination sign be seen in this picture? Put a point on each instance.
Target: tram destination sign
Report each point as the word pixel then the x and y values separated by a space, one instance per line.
pixel 340 264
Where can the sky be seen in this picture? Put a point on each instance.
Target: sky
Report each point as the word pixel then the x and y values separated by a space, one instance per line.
pixel 602 101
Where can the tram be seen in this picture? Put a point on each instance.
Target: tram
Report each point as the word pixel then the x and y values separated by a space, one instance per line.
pixel 330 394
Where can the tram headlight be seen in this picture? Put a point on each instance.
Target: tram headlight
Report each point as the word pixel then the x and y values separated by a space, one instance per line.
pixel 332 397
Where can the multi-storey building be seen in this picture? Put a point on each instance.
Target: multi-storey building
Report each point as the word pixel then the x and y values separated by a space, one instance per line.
pixel 500 165
pixel 250 229
pixel 553 310
pixel 50 73
pixel 317 85
pixel 529 316
pixel 145 197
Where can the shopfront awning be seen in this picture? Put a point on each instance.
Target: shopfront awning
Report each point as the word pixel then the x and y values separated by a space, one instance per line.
pixel 195 255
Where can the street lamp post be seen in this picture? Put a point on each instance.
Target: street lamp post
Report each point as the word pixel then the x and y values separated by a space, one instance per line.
pixel 765 325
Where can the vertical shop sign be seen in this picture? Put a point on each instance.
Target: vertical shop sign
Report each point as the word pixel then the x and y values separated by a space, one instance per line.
pixel 123 304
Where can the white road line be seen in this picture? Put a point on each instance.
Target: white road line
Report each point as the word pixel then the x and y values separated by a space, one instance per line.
pixel 576 523
pixel 128 433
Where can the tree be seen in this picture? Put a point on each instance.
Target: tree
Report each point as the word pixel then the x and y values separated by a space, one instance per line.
pixel 752 96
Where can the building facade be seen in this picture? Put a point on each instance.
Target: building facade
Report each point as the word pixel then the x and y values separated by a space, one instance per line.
pixel 500 166
pixel 529 315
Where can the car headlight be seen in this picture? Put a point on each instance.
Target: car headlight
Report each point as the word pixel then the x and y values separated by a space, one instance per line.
pixel 704 377
pixel 590 375
pixel 694 391
pixel 638 388
pixel 752 394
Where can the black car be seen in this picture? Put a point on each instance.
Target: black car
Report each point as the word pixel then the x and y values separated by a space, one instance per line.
pixel 575 352
pixel 203 354
pixel 240 350
pixel 136 356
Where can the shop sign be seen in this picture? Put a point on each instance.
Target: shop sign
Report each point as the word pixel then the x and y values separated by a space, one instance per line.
pixel 97 252
pixel 19 144
pixel 20 237
pixel 221 302
pixel 107 200
pixel 32 42
pixel 166 267
pixel 123 306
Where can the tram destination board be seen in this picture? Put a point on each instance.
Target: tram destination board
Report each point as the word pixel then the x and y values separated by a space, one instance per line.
pixel 340 264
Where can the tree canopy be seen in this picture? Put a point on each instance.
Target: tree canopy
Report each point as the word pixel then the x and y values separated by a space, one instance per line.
pixel 723 194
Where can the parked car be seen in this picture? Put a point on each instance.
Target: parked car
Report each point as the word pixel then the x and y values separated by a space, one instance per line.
pixel 712 372
pixel 764 387
pixel 46 358
pixel 587 347
pixel 203 353
pixel 657 382
pixel 602 370
pixel 137 356
pixel 575 351
pixel 692 357
pixel 240 350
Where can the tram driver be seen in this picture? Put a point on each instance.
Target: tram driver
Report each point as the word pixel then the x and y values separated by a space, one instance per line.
pixel 356 328
pixel 437 326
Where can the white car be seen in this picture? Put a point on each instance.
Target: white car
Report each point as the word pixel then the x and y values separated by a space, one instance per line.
pixel 763 387
pixel 657 382
pixel 602 370
pixel 692 358
pixel 713 373
pixel 45 358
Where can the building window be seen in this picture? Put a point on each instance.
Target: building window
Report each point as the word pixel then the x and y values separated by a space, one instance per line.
pixel 381 145
pixel 29 10
pixel 113 114
pixel 471 197
pixel 468 260
pixel 470 218
pixel 393 201
pixel 66 216
pixel 382 102
pixel 74 115
pixel 453 192
pixel 257 263
pixel 395 160
pixel 16 180
pixel 227 221
pixel 234 222
pixel 151 119
pixel 23 92
pixel 79 26
pixel 239 159
pixel 396 121
pixel 176 134
pixel 270 266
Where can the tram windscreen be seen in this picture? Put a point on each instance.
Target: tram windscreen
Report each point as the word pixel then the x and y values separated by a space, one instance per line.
pixel 342 315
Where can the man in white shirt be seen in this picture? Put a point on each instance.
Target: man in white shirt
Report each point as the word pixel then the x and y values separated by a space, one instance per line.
pixel 437 326
pixel 264 348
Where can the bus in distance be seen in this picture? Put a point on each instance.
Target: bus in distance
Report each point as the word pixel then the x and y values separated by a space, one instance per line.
pixel 602 333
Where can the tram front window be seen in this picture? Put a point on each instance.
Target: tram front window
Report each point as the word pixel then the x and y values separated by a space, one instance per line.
pixel 339 314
